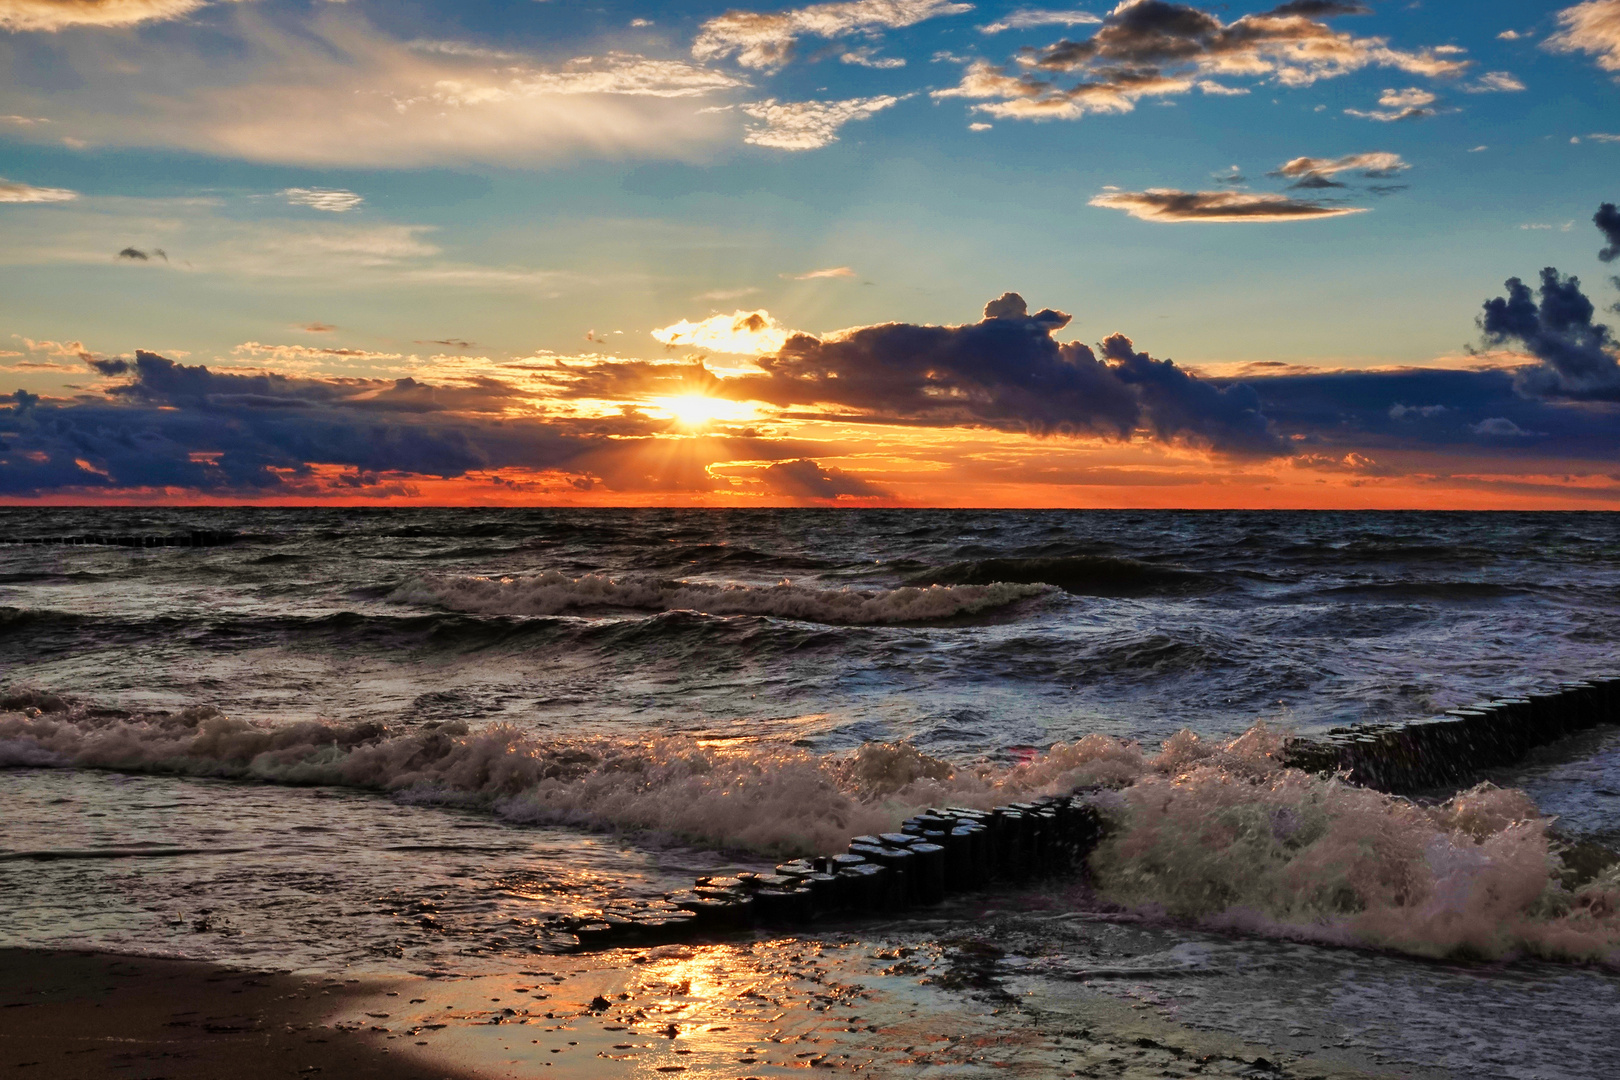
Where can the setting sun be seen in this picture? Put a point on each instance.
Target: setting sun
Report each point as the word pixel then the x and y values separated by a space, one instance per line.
pixel 698 410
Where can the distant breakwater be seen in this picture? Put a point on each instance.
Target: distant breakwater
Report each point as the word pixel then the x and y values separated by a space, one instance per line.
pixel 1451 749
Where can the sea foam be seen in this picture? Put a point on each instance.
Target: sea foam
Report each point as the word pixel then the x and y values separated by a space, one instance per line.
pixel 555 593
pixel 1218 834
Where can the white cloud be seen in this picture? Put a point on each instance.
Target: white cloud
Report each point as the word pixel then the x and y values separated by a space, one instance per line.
pixel 1495 81
pixel 334 90
pixel 830 272
pixel 1025 18
pixel 332 200
pixel 766 39
pixel 1510 35
pixel 807 125
pixel 12 191
pixel 747 333
pixel 1409 104
pixel 1592 27
pixel 865 57
pixel 52 15
pixel 1376 163
pixel 980 126
pixel 1600 137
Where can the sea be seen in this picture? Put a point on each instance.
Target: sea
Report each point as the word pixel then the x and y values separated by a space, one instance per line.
pixel 399 740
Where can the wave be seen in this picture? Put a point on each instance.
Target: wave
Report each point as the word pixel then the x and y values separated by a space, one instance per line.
pixel 1086 575
pixel 1461 591
pixel 1222 835
pixel 555 593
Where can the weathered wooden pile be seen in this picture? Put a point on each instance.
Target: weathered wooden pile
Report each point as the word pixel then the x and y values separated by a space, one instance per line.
pixel 935 854
pixel 1453 748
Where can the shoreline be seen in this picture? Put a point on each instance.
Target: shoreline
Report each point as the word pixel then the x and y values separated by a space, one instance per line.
pixel 886 1003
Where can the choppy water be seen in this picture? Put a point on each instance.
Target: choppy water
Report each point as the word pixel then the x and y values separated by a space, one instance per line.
pixel 519 681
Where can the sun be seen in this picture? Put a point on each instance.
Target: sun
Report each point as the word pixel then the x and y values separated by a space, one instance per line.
pixel 697 410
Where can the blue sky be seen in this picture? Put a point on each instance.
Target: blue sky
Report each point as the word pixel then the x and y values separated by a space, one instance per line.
pixel 366 190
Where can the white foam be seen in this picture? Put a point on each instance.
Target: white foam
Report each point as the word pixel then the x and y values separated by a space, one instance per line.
pixel 1219 834
pixel 554 593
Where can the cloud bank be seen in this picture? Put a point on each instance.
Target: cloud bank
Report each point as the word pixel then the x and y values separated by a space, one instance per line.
pixel 1155 48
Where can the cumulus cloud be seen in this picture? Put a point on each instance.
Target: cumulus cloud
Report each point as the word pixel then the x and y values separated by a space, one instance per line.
pixel 1579 358
pixel 332 200
pixel 1309 172
pixel 804 479
pixel 1409 104
pixel 807 125
pixel 1592 27
pixel 52 15
pixel 1168 205
pixel 1150 48
pixel 1006 372
pixel 1025 18
pixel 767 39
pixel 330 89
pixel 1607 219
pixel 12 191
pixel 748 333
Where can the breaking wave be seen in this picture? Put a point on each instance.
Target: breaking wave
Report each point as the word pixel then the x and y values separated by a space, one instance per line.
pixel 1086 575
pixel 1218 834
pixel 555 593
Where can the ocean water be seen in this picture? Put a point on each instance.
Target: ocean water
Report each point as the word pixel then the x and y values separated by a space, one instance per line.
pixel 397 740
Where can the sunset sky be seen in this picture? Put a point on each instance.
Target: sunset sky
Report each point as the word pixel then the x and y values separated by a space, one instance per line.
pixel 869 252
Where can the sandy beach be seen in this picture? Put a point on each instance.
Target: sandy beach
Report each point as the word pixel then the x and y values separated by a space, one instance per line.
pixel 749 1008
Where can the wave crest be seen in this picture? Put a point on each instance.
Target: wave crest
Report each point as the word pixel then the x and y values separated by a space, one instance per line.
pixel 555 593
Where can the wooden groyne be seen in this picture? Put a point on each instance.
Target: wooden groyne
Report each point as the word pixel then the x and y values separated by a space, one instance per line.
pixel 954 850
pixel 1452 749
pixel 935 854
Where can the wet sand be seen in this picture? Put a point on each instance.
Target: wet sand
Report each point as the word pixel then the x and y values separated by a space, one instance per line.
pixel 72 1015
pixel 748 1008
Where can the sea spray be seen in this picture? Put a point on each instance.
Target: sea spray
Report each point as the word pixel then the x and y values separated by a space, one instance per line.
pixel 1227 837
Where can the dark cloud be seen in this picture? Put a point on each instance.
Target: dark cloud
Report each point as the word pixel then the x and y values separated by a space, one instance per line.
pixel 1431 409
pixel 188 427
pixel 804 479
pixel 1578 357
pixel 1152 47
pixel 1168 205
pixel 137 255
pixel 1155 34
pixel 449 343
pixel 1006 372
pixel 1607 219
